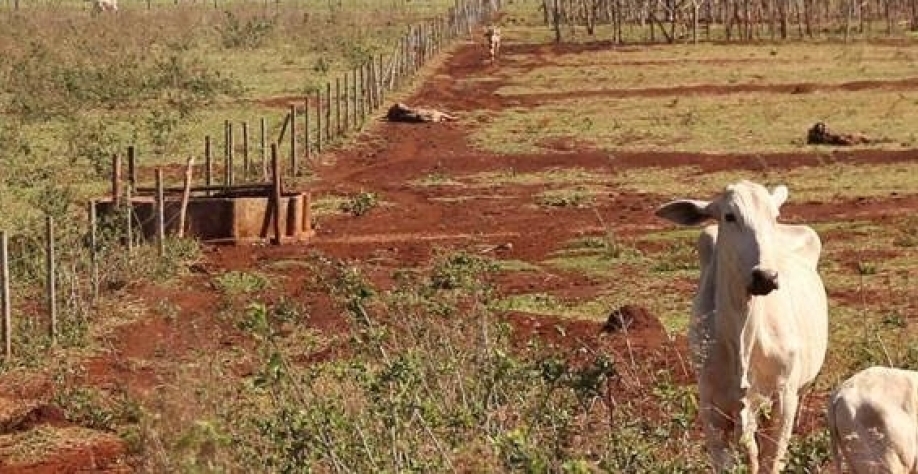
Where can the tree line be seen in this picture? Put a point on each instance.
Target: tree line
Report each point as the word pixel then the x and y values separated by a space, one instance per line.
pixel 732 20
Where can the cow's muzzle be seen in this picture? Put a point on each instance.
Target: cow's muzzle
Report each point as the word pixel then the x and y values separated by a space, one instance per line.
pixel 763 282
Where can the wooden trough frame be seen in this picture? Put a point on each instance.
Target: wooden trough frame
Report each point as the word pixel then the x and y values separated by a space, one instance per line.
pixel 227 214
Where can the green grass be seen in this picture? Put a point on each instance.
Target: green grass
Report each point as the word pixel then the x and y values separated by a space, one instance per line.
pixel 707 64
pixel 714 124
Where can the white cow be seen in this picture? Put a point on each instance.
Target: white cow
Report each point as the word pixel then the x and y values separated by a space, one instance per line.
pixel 760 319
pixel 99 6
pixel 873 422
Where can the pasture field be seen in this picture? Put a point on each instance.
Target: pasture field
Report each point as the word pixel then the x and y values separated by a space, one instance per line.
pixel 453 311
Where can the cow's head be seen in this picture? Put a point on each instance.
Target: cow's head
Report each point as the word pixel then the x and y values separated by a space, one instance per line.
pixel 746 214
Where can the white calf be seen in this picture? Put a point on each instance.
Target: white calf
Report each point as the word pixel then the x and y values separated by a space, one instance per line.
pixel 873 422
pixel 762 309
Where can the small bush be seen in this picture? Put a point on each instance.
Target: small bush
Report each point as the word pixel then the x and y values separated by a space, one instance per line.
pixel 360 203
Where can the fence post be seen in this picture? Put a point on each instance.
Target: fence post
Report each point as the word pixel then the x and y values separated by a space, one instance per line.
pixel 5 295
pixel 338 105
pixel 294 162
pixel 347 105
pixel 276 194
pixel 328 136
pixel 355 98
pixel 160 214
pixel 381 71
pixel 318 121
pixel 51 288
pixel 363 95
pixel 93 245
pixel 306 128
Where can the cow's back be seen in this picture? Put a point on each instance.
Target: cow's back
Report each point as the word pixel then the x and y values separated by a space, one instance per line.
pixel 872 419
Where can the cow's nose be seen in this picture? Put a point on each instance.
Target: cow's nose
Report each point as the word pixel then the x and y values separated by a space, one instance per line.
pixel 764 281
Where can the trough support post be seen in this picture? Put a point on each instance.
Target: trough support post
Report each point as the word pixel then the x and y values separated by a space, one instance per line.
pixel 93 253
pixel 129 222
pixel 208 164
pixel 230 158
pixel 264 149
pixel 186 196
pixel 51 287
pixel 294 162
pixel 160 214
pixel 245 151
pixel 132 166
pixel 116 180
pixel 276 194
pixel 5 295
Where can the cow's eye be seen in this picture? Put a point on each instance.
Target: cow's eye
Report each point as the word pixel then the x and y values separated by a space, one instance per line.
pixel 730 217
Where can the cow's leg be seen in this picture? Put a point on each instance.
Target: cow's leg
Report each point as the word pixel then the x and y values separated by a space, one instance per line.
pixel 718 427
pixel 781 425
pixel 747 426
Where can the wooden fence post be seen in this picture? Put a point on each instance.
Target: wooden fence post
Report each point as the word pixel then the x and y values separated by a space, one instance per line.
pixel 276 194
pixel 132 167
pixel 116 180
pixel 363 95
pixel 93 255
pixel 338 105
pixel 160 214
pixel 264 149
pixel 318 121
pixel 306 128
pixel 5 295
pixel 347 105
pixel 208 163
pixel 294 162
pixel 355 98
pixel 328 136
pixel 230 154
pixel 245 151
pixel 186 196
pixel 129 221
pixel 51 288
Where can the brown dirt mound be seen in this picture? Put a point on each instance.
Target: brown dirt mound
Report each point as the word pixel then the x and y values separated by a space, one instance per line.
pixel 631 318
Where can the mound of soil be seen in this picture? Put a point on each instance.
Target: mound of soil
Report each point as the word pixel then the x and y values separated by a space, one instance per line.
pixel 631 318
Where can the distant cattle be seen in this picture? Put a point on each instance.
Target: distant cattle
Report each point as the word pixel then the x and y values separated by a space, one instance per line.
pixel 99 6
pixel 400 112
pixel 873 422
pixel 759 319
pixel 492 35
pixel 819 134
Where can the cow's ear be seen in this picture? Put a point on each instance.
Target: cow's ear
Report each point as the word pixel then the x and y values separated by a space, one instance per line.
pixel 685 211
pixel 779 195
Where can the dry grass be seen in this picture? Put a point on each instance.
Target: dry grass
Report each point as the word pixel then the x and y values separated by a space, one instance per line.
pixel 733 123
pixel 686 65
